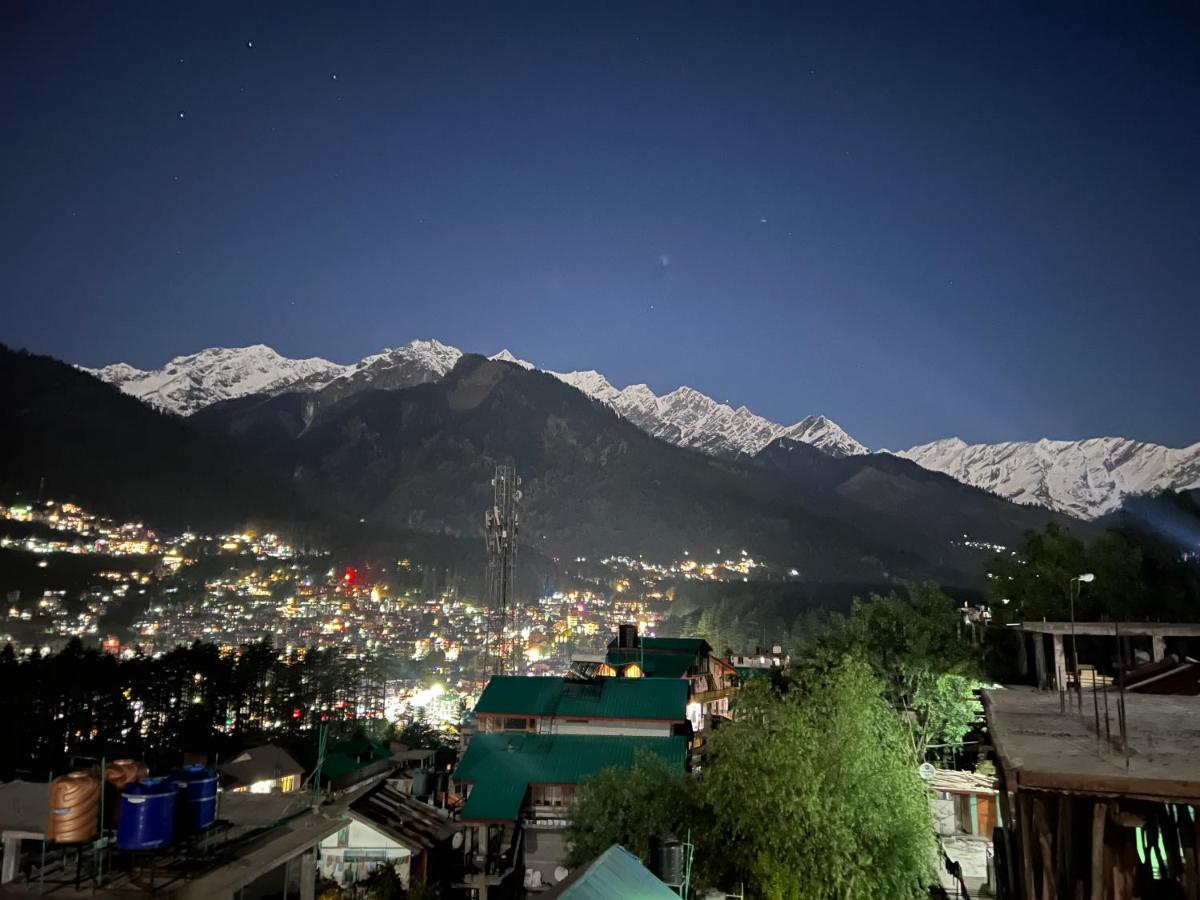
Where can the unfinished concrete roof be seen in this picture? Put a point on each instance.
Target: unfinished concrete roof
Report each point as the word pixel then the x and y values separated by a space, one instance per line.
pixel 24 808
pixel 1126 629
pixel 1041 748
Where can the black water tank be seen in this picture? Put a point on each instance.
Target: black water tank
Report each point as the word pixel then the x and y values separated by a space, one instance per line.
pixel 666 858
pixel 424 783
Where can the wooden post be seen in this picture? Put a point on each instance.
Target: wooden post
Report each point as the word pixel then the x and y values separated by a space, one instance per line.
pixel 1191 851
pixel 1045 841
pixel 1027 841
pixel 1099 867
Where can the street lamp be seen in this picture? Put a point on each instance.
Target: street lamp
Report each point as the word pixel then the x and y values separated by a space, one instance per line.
pixel 1074 586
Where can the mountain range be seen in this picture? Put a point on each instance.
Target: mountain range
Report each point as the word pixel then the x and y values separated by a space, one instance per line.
pixel 380 466
pixel 1087 478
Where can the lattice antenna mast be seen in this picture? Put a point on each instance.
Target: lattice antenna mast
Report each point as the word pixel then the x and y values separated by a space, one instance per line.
pixel 501 526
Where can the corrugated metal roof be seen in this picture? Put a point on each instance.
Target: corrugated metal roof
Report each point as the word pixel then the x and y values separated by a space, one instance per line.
pixel 614 698
pixel 668 644
pixel 614 873
pixel 655 665
pixel 503 765
pixel 416 825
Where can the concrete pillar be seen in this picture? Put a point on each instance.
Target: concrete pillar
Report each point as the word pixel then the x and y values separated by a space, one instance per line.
pixel 12 859
pixel 1039 659
pixel 1060 664
pixel 308 874
pixel 1158 646
pixel 1022 656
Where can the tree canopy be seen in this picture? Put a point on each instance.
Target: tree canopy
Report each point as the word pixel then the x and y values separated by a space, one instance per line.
pixel 1145 566
pixel 809 793
pixel 921 653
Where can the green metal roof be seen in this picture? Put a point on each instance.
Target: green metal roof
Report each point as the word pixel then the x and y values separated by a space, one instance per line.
pixel 654 665
pixel 616 873
pixel 502 765
pixel 673 645
pixel 613 698
pixel 350 756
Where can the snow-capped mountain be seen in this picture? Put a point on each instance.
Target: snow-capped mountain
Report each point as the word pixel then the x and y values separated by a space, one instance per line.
pixel 1088 478
pixel 691 419
pixel 1083 478
pixel 188 383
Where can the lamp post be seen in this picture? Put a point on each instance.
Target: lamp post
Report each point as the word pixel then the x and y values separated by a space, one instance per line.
pixel 1074 586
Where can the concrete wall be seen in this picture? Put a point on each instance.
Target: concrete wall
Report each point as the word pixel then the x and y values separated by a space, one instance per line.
pixel 361 837
pixel 942 810
pixel 545 849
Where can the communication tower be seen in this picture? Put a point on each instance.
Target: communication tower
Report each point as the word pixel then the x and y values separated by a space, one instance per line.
pixel 503 612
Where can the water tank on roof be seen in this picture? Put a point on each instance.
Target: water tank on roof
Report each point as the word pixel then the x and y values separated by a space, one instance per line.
pixel 74 808
pixel 197 801
pixel 121 772
pixel 666 859
pixel 424 783
pixel 147 815
pixel 117 774
pixel 627 636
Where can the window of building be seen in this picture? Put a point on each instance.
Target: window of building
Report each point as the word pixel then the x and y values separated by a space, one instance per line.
pixel 551 794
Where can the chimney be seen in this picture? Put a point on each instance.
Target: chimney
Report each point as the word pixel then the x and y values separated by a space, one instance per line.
pixel 627 636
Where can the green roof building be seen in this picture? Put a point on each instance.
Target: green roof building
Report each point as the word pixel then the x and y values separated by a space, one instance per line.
pixel 536 739
pixel 614 873
pixel 498 771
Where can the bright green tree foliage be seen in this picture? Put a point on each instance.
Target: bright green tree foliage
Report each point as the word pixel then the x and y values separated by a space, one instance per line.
pixel 817 795
pixel 918 648
pixel 629 807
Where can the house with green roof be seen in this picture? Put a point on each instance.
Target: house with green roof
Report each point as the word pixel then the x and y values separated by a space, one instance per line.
pixel 711 680
pixel 614 873
pixel 536 739
pixel 592 706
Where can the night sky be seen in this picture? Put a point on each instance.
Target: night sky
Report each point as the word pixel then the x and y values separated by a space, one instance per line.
pixel 921 220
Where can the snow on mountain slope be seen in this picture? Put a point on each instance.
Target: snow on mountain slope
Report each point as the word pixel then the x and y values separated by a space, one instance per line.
pixel 188 383
pixel 414 363
pixel 684 416
pixel 1083 478
pixel 506 356
pixel 691 419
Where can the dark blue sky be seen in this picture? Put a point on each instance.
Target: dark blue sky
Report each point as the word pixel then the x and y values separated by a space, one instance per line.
pixel 919 219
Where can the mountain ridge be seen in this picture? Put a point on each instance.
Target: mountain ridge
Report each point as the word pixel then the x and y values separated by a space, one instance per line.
pixel 1088 478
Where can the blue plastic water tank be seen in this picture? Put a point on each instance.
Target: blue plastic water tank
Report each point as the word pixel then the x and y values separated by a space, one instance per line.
pixel 147 815
pixel 197 787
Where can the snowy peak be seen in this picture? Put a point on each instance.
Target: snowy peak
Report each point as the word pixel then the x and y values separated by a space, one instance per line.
pixel 684 416
pixel 689 418
pixel 825 435
pixel 506 356
pixel 188 383
pixel 1088 478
